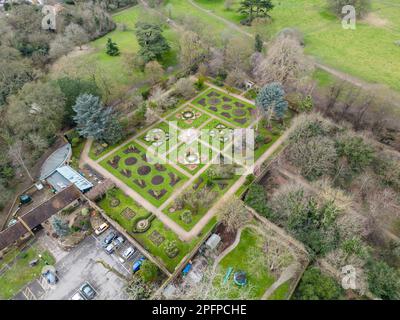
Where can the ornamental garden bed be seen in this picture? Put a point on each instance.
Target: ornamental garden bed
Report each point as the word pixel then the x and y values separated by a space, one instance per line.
pixel 158 240
pixel 189 117
pixel 218 186
pixel 229 108
pixel 153 181
pixel 161 137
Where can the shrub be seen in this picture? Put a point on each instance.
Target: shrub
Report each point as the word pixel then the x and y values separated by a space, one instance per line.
pixel 186 217
pixel 171 249
pixel 256 198
pixel 383 280
pixel 316 286
pixel 149 271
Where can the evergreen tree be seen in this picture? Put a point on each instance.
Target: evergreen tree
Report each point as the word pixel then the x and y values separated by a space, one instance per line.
pixel 255 8
pixel 93 120
pixel 60 227
pixel 258 45
pixel 112 48
pixel 271 99
pixel 153 44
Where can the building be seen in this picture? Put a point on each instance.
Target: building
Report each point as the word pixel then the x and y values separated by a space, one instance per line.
pixel 56 171
pixel 29 221
pixel 65 176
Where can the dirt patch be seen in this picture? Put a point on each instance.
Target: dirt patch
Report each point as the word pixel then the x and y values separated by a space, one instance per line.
pixel 157 194
pixel 114 162
pixel 144 170
pixel 202 102
pixel 160 167
pixel 157 180
pixel 240 120
pixel 130 161
pixel 374 20
pixel 226 115
pixel 141 183
pixel 126 173
pixel 226 99
pixel 174 179
pixel 239 112
pixel 214 101
pixel 226 107
pixel 213 109
pixel 131 149
pixel 239 104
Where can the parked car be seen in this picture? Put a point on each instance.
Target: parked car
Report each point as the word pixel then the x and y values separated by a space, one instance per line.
pixel 50 276
pixel 77 296
pixel 109 238
pixel 111 248
pixel 119 240
pixel 103 227
pixel 128 252
pixel 87 291
pixel 138 263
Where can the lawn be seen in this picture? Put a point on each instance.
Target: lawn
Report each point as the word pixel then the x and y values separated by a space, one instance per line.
pixel 20 273
pixel 247 257
pixel 116 72
pixel 152 180
pixel 368 52
pixel 233 110
pixel 156 237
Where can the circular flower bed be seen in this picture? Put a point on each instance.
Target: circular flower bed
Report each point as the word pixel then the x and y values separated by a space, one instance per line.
pixel 156 180
pixel 130 161
pixel 114 202
pixel 144 170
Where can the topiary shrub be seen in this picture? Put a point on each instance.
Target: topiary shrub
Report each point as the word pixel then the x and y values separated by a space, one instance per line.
pixel 142 224
pixel 186 217
pixel 171 249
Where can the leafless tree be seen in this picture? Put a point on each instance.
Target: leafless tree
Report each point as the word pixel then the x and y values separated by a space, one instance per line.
pixel 233 214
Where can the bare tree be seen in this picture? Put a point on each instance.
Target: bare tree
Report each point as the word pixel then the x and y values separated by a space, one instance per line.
pixel 233 214
pixel 16 152
pixel 285 63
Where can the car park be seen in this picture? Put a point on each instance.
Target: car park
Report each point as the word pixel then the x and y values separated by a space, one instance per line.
pixel 138 263
pixel 87 291
pixel 103 227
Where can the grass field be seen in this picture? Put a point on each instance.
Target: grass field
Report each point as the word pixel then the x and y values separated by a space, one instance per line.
pixel 157 227
pixel 118 76
pixel 247 257
pixel 20 273
pixel 368 52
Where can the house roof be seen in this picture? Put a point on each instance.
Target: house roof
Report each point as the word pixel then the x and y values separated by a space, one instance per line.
pixel 213 241
pixel 64 176
pixel 38 215
pixel 55 160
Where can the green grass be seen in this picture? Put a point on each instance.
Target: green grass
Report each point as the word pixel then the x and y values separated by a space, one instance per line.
pixel 281 292
pixel 20 274
pixel 367 52
pixel 116 74
pixel 143 191
pixel 243 258
pixel 323 78
pixel 156 225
